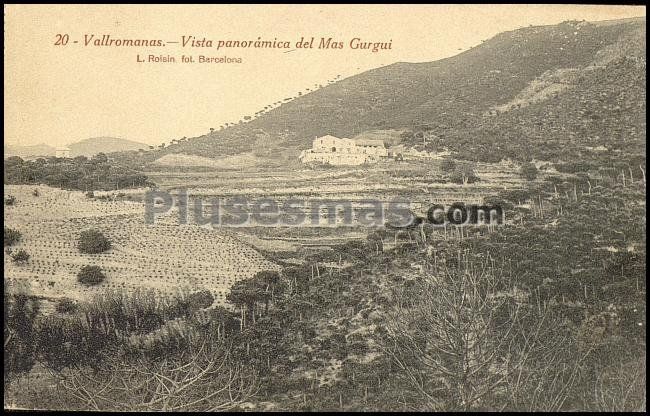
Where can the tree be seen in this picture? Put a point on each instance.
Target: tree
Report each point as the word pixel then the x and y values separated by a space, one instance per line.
pixel 90 275
pixel 528 171
pixel 20 313
pixel 463 174
pixel 10 200
pixel 460 341
pixel 205 377
pixel 268 282
pixel 92 242
pixel 376 241
pixel 99 158
pixel 11 236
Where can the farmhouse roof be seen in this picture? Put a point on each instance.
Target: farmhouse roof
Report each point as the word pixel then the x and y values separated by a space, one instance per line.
pixel 327 136
pixel 370 142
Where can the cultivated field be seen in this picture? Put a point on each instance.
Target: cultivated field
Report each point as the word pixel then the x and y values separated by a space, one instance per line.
pixel 163 256
pixel 420 182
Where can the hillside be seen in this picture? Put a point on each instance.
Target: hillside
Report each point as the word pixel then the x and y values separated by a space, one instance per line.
pixel 487 95
pixel 29 151
pixel 92 146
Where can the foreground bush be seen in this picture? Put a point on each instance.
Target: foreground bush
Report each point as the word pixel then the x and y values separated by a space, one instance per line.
pixel 91 275
pixel 11 236
pixel 66 305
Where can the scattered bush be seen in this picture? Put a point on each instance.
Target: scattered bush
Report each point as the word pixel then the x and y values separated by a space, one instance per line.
pixel 11 236
pixel 93 241
pixel 20 257
pixel 90 275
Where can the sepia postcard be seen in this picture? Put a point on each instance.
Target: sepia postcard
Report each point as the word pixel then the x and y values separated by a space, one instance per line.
pixel 350 207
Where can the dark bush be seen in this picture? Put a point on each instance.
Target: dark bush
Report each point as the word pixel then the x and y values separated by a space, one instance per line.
pixel 528 171
pixel 90 275
pixel 20 257
pixel 93 241
pixel 201 299
pixel 11 236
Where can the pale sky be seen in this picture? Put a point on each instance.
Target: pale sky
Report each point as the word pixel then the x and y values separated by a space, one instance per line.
pixel 62 94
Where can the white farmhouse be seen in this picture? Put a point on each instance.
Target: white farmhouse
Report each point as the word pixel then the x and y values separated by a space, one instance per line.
pixel 62 152
pixel 343 151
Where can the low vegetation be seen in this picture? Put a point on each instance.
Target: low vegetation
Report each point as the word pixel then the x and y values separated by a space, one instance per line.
pixel 90 275
pixel 11 236
pixel 79 173
pixel 93 242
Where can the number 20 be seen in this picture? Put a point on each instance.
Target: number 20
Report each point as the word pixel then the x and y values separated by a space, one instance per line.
pixel 61 40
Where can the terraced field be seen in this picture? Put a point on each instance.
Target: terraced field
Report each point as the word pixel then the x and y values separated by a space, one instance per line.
pixel 163 256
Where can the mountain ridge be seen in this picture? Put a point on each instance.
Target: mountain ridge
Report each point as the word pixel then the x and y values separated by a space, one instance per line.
pixel 451 93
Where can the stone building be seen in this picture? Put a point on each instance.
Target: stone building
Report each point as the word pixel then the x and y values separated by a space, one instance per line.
pixel 343 151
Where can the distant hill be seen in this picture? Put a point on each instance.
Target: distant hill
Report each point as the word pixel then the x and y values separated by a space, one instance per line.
pixel 516 94
pixel 92 146
pixel 29 151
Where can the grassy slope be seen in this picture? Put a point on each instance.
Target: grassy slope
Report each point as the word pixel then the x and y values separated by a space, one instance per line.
pixel 452 92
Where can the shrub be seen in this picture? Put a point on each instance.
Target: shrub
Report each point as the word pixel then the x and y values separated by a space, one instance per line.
pixel 10 200
pixel 90 275
pixel 93 241
pixel 528 171
pixel 11 236
pixel 20 257
pixel 66 305
pixel 201 299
